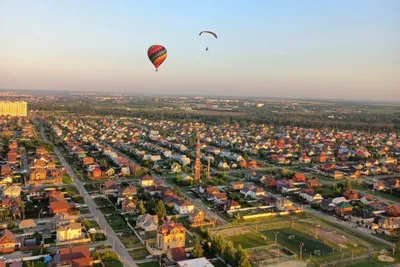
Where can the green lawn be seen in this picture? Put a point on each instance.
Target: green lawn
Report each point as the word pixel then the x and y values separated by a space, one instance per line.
pixel 90 224
pixel 72 191
pixel 84 210
pixel 310 244
pixel 130 241
pixel 117 222
pixel 90 187
pixel 78 199
pixel 66 179
pixel 250 240
pixel 100 202
pixel 139 254
pixel 149 264
pixel 113 264
pixel 107 210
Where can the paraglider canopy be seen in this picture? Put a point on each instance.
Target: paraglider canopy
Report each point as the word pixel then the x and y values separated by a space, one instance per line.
pixel 209 32
pixel 157 54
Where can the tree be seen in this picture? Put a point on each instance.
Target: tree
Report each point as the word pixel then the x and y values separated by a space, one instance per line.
pixel 160 209
pixel 197 251
pixel 11 224
pixel 230 253
pixel 220 244
pixel 142 209
pixel 242 257
pixel 150 205
pixel 22 208
pixel 245 156
pixel 349 186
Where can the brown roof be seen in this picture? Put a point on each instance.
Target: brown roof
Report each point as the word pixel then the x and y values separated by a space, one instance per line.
pixel 59 205
pixel 7 234
pixel 178 254
pixel 72 253
pixel 168 226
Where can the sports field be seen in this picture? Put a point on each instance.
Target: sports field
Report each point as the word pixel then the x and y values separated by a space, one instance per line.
pixel 248 240
pixel 310 244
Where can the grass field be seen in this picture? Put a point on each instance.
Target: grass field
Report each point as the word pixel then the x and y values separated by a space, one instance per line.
pixel 90 224
pixel 78 199
pixel 113 264
pixel 66 179
pixel 117 222
pixel 310 244
pixel 107 210
pixel 130 241
pixel 249 240
pixel 139 254
pixel 101 202
pixel 72 191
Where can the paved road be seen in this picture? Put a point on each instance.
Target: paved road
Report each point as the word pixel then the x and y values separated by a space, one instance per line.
pixel 112 238
pixel 197 202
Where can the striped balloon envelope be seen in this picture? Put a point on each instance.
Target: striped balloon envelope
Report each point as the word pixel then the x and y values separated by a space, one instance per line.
pixel 157 54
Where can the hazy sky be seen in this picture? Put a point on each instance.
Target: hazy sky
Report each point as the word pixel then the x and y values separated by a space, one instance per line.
pixel 339 49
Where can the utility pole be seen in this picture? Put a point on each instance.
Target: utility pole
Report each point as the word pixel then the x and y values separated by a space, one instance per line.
pixel 301 250
pixel 276 237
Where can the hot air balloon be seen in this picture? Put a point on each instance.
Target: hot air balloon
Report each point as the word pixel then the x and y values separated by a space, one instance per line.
pixel 212 33
pixel 157 54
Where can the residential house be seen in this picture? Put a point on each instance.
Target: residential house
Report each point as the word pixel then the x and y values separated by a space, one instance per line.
pixel 183 207
pixel 95 174
pixel 299 178
pixel 309 195
pixel 55 195
pixel 78 256
pixel 110 188
pixel 343 208
pixel 253 192
pixel 129 205
pixel 110 172
pixel 313 183
pixel 197 216
pixel 12 191
pixel 389 223
pixel 69 232
pixel 62 219
pixel 146 181
pixel 147 222
pixel 268 181
pixel 394 210
pixel 59 206
pixel 220 198
pixel 8 242
pixel 237 185
pixel 367 199
pixel 232 205
pixel 5 170
pixel 12 204
pixel 350 194
pixel 128 192
pixel 170 235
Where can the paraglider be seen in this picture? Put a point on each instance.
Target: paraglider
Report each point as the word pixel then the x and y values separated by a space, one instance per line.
pixel 209 32
pixel 157 54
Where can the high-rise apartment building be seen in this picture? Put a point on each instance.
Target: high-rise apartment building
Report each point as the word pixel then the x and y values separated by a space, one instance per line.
pixel 18 108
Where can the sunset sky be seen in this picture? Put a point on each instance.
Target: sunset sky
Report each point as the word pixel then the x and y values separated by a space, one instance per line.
pixel 321 49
